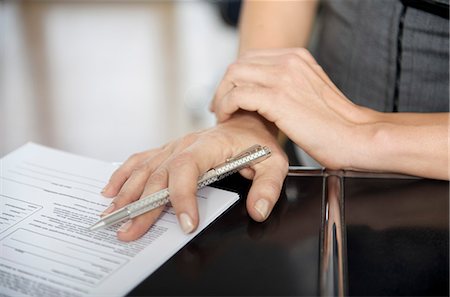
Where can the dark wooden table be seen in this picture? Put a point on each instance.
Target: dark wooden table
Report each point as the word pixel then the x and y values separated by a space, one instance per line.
pixel 391 238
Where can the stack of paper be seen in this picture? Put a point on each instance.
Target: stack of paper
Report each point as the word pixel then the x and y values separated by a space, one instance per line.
pixel 48 199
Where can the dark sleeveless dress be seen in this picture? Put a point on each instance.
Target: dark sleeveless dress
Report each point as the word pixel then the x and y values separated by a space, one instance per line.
pixel 386 54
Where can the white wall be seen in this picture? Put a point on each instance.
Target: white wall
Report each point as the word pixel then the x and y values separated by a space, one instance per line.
pixel 107 79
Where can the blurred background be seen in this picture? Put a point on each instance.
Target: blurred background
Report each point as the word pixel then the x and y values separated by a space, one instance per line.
pixel 106 79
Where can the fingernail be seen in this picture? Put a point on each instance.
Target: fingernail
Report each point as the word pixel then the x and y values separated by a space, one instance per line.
pixel 186 223
pixel 262 206
pixel 125 226
pixel 108 210
pixel 104 190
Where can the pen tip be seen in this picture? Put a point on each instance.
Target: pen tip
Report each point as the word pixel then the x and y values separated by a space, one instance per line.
pixel 97 226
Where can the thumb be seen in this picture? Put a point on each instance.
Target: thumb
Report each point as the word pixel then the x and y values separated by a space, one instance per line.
pixel 266 188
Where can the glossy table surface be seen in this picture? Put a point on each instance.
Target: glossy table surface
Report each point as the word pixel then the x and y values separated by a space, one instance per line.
pixel 397 243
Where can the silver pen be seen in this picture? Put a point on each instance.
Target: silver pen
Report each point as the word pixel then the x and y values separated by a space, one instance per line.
pixel 246 158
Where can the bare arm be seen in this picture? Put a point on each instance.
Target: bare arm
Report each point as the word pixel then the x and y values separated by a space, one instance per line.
pixel 411 143
pixel 276 24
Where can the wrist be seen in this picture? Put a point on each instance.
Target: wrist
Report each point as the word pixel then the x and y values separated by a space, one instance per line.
pixel 368 138
pixel 252 120
pixel 247 128
pixel 378 145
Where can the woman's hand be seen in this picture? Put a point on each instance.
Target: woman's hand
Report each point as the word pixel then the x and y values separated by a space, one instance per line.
pixel 288 88
pixel 178 164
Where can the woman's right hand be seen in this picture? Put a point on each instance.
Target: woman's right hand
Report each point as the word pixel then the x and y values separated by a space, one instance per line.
pixel 178 164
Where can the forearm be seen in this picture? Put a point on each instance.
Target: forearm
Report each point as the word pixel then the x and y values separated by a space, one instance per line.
pixel 410 143
pixel 276 24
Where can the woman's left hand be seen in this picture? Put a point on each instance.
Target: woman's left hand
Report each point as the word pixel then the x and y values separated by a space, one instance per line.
pixel 289 88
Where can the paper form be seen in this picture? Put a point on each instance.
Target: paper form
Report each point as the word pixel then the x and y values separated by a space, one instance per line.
pixel 48 199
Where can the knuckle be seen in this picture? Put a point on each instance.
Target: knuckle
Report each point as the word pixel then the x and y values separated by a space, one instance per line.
pixel 165 147
pixel 306 55
pixel 189 139
pixel 303 52
pixel 181 160
pixel 137 158
pixel 134 157
pixel 232 69
pixel 318 68
pixel 154 151
pixel 143 168
pixel 159 177
pixel 291 61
